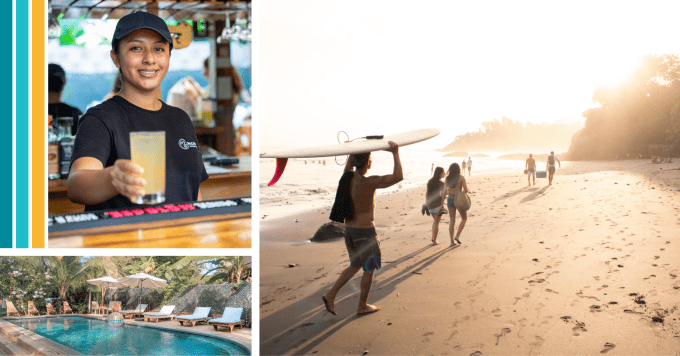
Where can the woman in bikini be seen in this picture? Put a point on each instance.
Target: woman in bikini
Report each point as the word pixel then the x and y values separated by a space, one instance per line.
pixel 436 191
pixel 455 184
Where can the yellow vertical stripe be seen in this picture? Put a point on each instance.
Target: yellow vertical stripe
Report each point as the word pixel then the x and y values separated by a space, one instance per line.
pixel 38 124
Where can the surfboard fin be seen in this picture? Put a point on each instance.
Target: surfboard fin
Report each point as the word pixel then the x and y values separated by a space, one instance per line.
pixel 280 166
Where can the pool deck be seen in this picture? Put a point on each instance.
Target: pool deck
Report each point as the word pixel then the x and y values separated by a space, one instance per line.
pixel 14 337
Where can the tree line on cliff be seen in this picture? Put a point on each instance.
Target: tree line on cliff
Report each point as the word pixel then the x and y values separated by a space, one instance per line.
pixel 639 116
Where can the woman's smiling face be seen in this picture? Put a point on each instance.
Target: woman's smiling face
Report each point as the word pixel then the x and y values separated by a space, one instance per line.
pixel 143 57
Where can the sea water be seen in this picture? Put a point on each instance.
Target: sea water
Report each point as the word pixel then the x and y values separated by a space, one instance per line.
pixel 309 183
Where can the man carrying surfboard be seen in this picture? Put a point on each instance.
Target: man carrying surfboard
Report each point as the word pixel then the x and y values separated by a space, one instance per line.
pixel 550 166
pixel 355 206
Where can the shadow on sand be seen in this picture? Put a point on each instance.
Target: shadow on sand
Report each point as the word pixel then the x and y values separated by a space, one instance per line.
pixel 511 194
pixel 307 319
pixel 537 194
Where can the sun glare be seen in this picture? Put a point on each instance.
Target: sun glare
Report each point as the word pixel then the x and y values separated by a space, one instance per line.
pixel 616 71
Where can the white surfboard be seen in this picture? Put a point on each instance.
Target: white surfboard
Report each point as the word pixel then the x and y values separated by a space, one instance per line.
pixel 370 144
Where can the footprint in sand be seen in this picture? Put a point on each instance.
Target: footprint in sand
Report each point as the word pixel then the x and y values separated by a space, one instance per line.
pixel 502 333
pixel 595 308
pixel 425 336
pixel 538 341
pixel 580 327
pixel 607 347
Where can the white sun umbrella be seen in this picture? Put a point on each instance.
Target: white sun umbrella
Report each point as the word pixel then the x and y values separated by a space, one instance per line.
pixel 105 282
pixel 143 280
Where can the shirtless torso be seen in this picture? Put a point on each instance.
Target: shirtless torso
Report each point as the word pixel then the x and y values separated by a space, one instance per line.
pixel 363 191
pixel 363 199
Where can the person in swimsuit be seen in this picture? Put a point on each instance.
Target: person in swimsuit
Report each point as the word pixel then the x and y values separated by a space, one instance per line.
pixel 355 204
pixel 550 166
pixel 436 192
pixel 455 183
pixel 464 165
pixel 530 166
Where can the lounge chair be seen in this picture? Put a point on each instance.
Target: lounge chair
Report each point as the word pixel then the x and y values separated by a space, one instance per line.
pixel 94 306
pixel 32 310
pixel 132 313
pixel 165 313
pixel 110 310
pixel 50 309
pixel 11 309
pixel 67 308
pixel 230 318
pixel 116 307
pixel 200 315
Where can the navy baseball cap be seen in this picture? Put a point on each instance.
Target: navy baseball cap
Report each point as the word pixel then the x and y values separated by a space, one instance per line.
pixel 140 20
pixel 55 70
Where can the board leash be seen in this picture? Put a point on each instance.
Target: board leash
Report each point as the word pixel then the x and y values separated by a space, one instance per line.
pixel 370 137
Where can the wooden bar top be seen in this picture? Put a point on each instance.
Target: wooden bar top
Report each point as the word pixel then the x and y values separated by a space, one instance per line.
pixel 215 231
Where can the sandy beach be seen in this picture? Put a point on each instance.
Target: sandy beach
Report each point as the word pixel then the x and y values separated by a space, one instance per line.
pixel 588 265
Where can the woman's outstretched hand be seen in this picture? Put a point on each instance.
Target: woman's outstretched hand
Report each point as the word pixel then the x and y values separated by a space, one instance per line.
pixel 125 178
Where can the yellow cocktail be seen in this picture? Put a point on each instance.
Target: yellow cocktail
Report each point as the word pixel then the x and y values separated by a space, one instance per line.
pixel 147 149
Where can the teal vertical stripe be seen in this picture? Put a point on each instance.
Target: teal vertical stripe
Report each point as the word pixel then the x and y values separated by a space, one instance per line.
pixel 6 105
pixel 22 177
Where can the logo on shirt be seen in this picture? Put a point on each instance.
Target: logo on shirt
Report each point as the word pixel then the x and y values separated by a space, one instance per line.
pixel 186 145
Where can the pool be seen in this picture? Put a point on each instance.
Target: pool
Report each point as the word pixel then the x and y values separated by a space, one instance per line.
pixel 97 337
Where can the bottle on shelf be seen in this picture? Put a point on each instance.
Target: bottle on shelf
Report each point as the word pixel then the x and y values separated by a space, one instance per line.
pixel 52 151
pixel 66 141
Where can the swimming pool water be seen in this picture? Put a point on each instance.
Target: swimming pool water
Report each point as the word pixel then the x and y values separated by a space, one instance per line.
pixel 97 337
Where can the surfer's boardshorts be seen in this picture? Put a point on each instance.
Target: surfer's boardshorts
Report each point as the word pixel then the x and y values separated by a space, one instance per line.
pixel 551 169
pixel 363 248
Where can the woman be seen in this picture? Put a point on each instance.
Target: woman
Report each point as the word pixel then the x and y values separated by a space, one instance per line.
pixel 455 184
pixel 102 174
pixel 436 191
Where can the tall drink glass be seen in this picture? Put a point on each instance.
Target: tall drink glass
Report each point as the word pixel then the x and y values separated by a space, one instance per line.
pixel 147 149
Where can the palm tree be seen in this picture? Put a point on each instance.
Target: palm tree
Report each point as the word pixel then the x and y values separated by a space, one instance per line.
pixel 229 269
pixel 66 271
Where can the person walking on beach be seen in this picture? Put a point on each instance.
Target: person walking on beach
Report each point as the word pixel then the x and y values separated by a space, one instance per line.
pixel 464 165
pixel 436 192
pixel 550 166
pixel 455 183
pixel 469 166
pixel 530 167
pixel 355 206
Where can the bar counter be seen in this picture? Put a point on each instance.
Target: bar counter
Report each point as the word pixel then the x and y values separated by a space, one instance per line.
pixel 213 226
